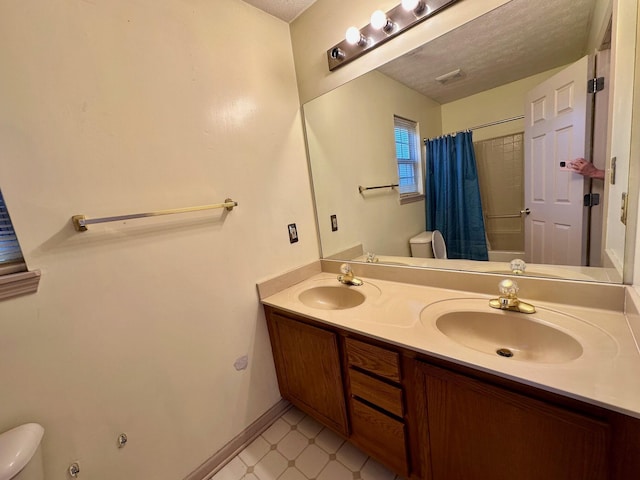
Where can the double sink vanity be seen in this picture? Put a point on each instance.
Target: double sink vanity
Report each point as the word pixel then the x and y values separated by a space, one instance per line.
pixel 416 369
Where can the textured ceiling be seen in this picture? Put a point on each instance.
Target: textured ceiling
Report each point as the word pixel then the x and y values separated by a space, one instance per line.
pixel 518 39
pixel 286 10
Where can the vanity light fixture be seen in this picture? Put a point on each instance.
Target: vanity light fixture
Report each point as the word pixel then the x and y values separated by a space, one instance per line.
pixel 383 27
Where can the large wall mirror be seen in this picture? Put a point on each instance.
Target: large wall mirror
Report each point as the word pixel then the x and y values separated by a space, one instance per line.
pixel 491 65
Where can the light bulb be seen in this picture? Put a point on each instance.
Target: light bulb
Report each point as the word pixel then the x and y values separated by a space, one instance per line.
pixel 417 6
pixel 410 4
pixel 353 35
pixel 379 19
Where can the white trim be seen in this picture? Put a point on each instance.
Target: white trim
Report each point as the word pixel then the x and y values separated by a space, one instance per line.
pixel 15 284
pixel 410 198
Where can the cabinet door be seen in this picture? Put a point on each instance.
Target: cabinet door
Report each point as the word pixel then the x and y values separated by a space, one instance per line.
pixel 477 431
pixel 308 362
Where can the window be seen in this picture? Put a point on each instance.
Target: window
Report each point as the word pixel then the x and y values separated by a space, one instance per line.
pixel 14 278
pixel 408 158
pixel 10 252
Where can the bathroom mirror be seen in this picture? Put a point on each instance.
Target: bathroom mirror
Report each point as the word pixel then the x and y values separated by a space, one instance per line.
pixel 501 56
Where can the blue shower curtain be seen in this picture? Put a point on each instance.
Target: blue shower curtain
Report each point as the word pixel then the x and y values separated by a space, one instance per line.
pixel 453 196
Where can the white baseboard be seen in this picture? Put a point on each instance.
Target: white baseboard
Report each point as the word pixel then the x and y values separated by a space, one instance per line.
pixel 235 446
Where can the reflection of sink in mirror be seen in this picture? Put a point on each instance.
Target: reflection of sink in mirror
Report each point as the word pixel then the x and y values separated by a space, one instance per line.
pixel 499 268
pixel 384 260
pixel 545 271
pixel 547 336
pixel 332 297
pixel 529 273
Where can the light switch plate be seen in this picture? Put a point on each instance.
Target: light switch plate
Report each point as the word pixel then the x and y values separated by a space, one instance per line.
pixel 293 233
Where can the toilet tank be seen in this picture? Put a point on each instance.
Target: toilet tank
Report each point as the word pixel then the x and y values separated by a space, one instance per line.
pixel 421 245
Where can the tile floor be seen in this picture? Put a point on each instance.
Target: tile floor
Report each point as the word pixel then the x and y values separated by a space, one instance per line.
pixel 296 447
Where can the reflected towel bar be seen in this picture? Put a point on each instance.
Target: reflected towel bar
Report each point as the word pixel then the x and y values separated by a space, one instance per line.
pixel 80 222
pixel 513 215
pixel 362 189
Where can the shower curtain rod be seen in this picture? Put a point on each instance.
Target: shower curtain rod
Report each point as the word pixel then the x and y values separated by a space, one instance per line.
pixel 490 124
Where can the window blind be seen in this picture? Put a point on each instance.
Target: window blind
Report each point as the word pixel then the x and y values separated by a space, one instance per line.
pixel 9 247
pixel 407 156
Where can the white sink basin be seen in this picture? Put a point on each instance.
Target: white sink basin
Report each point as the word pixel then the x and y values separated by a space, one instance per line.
pixel 546 336
pixel 510 335
pixel 330 297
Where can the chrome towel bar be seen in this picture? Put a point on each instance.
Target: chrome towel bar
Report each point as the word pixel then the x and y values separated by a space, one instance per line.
pixel 80 222
pixel 362 189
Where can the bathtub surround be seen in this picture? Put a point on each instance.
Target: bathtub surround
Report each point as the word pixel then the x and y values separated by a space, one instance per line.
pixel 501 200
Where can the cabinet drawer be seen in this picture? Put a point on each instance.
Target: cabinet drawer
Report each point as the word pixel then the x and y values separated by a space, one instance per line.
pixel 379 435
pixel 373 359
pixel 383 395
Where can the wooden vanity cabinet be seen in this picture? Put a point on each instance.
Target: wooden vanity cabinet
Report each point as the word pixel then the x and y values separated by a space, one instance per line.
pixel 430 419
pixel 325 374
pixel 308 368
pixel 473 425
pixel 476 431
pixel 376 403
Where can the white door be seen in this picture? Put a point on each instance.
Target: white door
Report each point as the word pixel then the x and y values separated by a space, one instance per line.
pixel 556 127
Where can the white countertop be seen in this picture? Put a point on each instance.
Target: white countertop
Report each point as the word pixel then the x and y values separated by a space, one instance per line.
pixel 607 374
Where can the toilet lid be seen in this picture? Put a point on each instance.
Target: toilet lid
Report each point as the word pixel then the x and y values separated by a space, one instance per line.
pixel 17 446
pixel 438 245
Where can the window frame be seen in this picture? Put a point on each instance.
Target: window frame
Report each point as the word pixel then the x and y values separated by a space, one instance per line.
pixel 414 159
pixel 15 279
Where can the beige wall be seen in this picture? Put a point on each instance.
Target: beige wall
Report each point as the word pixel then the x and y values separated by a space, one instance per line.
pixel 499 103
pixel 624 44
pixel 351 143
pixel 112 107
pixel 323 25
pixel 599 24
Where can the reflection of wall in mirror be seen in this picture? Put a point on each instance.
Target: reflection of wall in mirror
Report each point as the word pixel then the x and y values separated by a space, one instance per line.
pixel 364 155
pixel 351 142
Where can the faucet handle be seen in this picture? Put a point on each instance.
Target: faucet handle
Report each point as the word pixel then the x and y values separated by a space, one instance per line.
pixel 345 269
pixel 517 266
pixel 371 258
pixel 508 287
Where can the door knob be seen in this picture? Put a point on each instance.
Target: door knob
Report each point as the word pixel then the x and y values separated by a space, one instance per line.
pixel 526 211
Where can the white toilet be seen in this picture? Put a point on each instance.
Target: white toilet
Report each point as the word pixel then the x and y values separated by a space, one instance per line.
pixel 428 245
pixel 20 453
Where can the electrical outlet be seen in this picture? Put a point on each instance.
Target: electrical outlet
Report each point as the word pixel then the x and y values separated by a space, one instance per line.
pixel 293 233
pixel 334 223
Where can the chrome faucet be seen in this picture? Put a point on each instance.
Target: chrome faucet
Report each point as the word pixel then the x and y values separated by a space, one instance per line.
pixel 508 299
pixel 347 276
